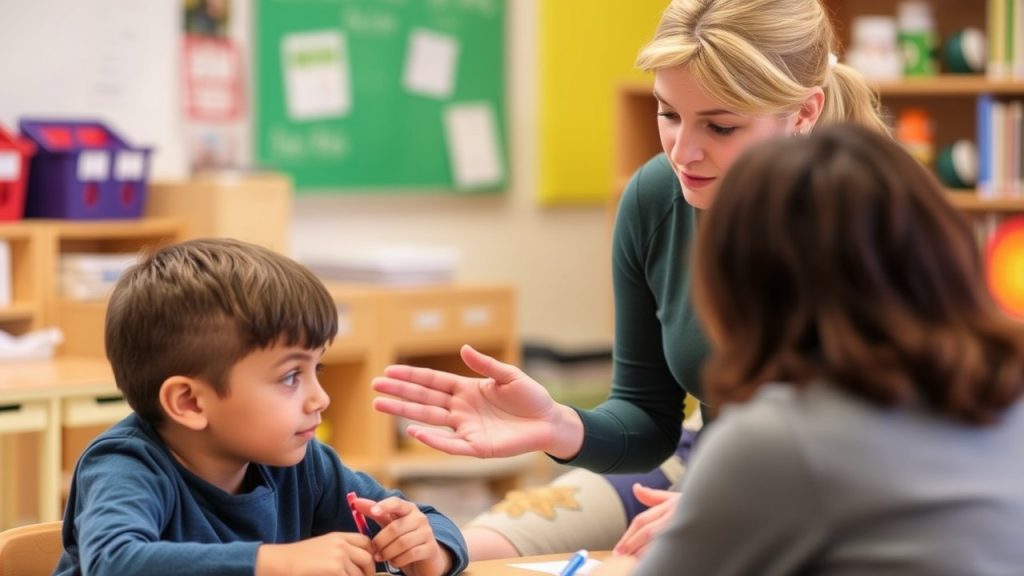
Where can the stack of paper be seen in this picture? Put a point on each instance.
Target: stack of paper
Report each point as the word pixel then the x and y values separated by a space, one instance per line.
pixel 393 265
pixel 91 276
pixel 35 345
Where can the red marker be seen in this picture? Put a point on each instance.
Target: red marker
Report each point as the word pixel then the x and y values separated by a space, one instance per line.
pixel 364 529
pixel 357 515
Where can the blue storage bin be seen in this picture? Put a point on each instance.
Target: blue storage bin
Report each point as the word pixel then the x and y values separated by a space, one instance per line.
pixel 83 170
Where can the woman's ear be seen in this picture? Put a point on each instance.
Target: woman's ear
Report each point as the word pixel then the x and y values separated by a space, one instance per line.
pixel 809 111
pixel 182 400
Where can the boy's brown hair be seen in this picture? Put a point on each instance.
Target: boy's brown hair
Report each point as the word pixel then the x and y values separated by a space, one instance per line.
pixel 838 257
pixel 197 308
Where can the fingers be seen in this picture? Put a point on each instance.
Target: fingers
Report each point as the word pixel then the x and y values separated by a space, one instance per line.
pixel 485 365
pixel 445 440
pixel 646 525
pixel 406 536
pixel 652 496
pixel 434 379
pixel 432 415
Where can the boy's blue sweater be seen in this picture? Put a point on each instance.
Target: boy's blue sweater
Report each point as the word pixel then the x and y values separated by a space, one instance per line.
pixel 134 509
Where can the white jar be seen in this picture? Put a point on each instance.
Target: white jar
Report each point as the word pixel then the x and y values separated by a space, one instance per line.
pixel 875 48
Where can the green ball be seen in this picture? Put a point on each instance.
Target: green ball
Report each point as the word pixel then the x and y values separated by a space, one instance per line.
pixel 957 165
pixel 965 52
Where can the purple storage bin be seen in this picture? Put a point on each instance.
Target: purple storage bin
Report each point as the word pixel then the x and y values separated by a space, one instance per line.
pixel 84 170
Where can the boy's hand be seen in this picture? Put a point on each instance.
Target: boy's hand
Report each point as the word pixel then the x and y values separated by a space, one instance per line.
pixel 405 540
pixel 334 553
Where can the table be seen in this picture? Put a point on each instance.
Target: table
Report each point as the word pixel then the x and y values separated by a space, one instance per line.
pixel 502 567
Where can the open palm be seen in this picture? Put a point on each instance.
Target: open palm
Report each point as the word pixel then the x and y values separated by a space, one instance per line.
pixel 502 413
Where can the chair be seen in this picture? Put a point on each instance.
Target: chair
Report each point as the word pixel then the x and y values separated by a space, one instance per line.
pixel 30 550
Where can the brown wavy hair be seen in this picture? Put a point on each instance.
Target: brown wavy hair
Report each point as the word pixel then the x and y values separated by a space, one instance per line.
pixel 196 308
pixel 838 257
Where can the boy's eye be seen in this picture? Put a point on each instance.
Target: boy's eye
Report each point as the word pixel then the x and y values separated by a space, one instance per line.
pixel 291 378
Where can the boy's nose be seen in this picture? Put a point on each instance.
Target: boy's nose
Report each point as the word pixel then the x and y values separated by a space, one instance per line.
pixel 318 399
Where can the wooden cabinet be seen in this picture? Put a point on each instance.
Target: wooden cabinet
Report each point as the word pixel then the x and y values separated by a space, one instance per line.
pixel 424 326
pixel 36 248
pixel 26 309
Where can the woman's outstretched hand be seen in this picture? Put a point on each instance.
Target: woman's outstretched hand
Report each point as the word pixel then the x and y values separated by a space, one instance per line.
pixel 503 413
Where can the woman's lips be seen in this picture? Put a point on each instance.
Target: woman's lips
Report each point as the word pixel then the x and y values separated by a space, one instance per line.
pixel 696 181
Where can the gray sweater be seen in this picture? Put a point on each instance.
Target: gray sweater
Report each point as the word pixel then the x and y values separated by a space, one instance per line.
pixel 820 482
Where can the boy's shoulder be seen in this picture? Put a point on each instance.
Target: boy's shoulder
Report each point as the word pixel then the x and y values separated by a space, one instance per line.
pixel 131 438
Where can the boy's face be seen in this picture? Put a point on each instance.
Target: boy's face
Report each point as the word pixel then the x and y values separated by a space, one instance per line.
pixel 271 410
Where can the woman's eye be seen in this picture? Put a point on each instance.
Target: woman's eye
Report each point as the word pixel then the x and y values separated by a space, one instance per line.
pixel 722 130
pixel 667 115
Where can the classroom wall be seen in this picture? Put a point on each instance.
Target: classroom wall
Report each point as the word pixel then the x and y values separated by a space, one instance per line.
pixel 559 258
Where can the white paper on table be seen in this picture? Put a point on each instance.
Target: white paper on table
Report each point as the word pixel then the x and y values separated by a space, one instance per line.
pixel 316 74
pixel 557 567
pixel 430 63
pixel 472 135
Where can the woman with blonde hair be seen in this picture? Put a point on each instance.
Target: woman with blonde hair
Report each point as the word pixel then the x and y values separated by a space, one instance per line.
pixel 727 74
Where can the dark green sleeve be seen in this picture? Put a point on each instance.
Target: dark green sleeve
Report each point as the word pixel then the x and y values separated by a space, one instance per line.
pixel 639 425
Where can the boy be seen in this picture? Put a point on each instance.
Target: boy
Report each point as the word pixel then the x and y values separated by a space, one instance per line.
pixel 215 344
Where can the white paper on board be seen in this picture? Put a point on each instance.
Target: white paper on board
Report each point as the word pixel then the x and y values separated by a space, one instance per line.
pixel 316 75
pixel 473 147
pixel 431 61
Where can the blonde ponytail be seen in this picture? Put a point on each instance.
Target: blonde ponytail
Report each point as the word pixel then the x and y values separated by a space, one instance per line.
pixel 848 98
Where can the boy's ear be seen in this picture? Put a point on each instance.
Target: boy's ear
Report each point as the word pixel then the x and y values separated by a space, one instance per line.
pixel 181 398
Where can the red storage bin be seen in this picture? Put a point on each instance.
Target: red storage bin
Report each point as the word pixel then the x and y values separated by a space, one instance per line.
pixel 15 154
pixel 84 170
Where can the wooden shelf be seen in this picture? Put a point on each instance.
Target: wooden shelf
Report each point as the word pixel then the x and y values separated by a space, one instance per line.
pixel 18 312
pixel 115 229
pixel 969 201
pixel 948 85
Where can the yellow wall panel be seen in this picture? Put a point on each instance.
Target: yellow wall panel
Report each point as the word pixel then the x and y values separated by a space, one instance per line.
pixel 587 48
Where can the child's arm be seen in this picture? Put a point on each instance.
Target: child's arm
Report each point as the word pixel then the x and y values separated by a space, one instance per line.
pixel 334 553
pixel 406 539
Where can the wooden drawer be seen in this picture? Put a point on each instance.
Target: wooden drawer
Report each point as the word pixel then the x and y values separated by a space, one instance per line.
pixel 30 416
pixel 442 319
pixel 357 324
pixel 93 410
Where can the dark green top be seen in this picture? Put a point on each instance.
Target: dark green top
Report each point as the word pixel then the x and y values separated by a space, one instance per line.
pixel 659 346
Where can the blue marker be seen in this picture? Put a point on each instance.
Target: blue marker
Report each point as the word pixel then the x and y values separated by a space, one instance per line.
pixel 575 563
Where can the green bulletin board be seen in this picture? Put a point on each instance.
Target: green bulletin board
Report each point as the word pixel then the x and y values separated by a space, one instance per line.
pixel 403 95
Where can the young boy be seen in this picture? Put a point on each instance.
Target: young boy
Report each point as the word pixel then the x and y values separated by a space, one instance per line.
pixel 215 344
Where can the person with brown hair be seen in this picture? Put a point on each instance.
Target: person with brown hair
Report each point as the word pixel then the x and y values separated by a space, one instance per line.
pixel 727 74
pixel 216 345
pixel 869 387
